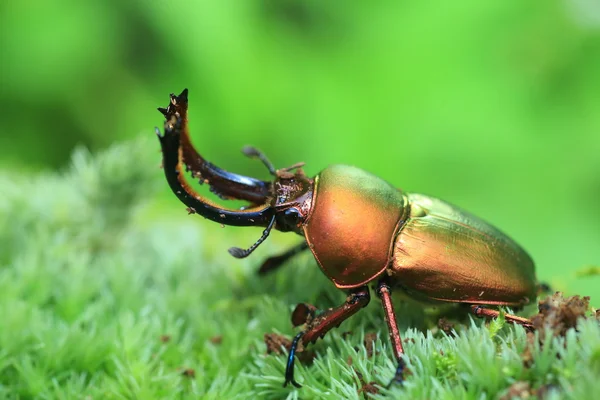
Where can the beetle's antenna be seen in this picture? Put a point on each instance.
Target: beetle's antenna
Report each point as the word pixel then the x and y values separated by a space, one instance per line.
pixel 295 166
pixel 241 253
pixel 253 152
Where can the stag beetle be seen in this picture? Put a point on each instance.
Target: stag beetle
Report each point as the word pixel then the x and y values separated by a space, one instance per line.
pixel 360 229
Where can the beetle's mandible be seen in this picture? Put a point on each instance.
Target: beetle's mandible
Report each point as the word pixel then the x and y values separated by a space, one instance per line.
pixel 360 229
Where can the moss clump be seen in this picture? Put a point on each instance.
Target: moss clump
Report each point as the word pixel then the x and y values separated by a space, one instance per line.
pixel 103 296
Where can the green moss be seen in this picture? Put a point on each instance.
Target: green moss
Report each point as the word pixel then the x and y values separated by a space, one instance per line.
pixel 103 294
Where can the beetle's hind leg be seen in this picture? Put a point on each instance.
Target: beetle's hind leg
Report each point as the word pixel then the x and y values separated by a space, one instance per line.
pixel 489 313
pixel 274 262
pixel 317 325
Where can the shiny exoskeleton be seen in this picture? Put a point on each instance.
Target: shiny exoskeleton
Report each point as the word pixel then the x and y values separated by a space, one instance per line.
pixel 360 229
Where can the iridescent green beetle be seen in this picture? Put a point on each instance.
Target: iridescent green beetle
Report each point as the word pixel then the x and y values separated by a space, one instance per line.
pixel 360 229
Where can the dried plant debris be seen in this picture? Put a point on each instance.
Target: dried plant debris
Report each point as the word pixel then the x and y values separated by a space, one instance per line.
pixel 527 355
pixel 518 390
pixel 446 326
pixel 165 338
pixel 276 342
pixel 369 343
pixel 366 388
pixel 556 314
pixel 560 314
pixel 523 390
pixel 189 373
pixel 345 335
pixel 216 340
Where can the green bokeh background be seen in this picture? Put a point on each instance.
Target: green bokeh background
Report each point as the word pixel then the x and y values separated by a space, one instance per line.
pixel 490 105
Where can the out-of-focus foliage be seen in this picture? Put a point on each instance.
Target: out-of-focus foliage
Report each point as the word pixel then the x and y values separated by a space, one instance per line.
pixel 490 105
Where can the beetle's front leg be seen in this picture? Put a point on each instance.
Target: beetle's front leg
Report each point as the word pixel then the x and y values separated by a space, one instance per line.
pixel 317 325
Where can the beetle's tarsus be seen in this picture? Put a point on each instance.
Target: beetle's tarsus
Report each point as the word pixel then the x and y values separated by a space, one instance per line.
pixel 399 376
pixel 293 382
pixel 289 369
pixel 163 111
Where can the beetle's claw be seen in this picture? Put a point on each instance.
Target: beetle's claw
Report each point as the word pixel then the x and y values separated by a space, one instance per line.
pixel 293 382
pixel 158 132
pixel 289 369
pixel 398 378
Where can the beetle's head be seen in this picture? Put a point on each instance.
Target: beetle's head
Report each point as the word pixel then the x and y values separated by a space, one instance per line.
pixel 283 203
pixel 293 198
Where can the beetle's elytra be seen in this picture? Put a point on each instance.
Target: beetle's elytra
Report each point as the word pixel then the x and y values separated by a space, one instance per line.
pixel 360 229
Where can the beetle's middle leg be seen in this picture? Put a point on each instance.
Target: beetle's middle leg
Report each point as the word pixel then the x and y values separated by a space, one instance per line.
pixel 489 313
pixel 317 325
pixel 274 262
pixel 385 293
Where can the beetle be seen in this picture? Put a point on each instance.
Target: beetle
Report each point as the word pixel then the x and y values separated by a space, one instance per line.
pixel 361 230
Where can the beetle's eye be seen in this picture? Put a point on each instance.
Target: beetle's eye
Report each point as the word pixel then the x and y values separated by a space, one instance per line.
pixel 292 216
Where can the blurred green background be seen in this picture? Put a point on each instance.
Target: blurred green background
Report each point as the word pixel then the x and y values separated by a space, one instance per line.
pixel 493 106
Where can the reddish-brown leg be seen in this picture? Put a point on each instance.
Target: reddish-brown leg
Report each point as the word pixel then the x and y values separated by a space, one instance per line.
pixel 488 313
pixel 385 293
pixel 318 325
